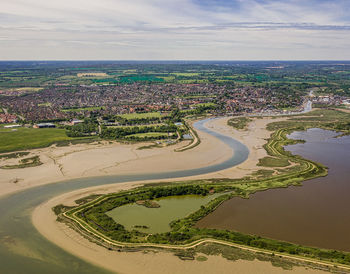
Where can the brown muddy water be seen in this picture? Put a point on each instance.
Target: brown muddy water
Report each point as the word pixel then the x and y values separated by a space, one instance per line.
pixel 316 214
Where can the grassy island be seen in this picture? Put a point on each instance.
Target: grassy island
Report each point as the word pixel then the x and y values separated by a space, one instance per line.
pixel 240 123
pixel 148 203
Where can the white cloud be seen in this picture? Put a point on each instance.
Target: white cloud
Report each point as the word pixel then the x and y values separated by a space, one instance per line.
pixel 164 29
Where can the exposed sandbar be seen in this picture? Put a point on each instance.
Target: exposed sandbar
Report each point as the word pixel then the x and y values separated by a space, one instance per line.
pixel 136 262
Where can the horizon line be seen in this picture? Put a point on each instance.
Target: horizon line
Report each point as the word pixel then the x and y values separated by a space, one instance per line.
pixel 174 60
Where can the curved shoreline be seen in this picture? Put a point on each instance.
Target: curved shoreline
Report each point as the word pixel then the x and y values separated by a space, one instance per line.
pixel 304 259
pixel 254 139
pixel 81 247
pixel 86 161
pixel 17 228
pixel 275 143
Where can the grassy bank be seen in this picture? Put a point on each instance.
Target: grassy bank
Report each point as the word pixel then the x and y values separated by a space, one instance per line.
pixel 194 142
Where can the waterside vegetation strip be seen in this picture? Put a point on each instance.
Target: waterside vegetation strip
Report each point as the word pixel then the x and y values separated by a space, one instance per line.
pixel 195 141
pixel 26 162
pixel 91 221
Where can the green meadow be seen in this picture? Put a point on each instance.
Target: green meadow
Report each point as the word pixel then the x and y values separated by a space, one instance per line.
pixel 141 115
pixel 147 135
pixel 28 138
pixel 81 109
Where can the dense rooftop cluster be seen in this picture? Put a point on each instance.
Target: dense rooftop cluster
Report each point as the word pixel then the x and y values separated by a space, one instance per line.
pixel 62 102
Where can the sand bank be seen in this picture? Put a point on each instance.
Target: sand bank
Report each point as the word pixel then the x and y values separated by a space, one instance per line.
pixel 89 160
pixel 136 262
pixel 101 159
pixel 254 138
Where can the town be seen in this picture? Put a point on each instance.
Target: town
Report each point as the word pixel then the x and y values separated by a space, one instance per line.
pixel 61 103
pixel 151 102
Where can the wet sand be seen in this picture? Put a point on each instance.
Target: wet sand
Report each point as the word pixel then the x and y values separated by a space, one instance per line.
pixel 136 262
pixel 90 160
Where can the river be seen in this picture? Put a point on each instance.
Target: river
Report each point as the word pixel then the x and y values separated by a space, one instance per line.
pixel 24 250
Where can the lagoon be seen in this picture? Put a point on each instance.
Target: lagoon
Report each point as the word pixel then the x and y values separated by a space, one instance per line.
pixel 316 214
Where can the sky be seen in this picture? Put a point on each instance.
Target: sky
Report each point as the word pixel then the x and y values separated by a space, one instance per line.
pixel 174 29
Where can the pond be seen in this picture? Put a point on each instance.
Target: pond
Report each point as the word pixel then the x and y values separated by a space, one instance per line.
pixel 157 220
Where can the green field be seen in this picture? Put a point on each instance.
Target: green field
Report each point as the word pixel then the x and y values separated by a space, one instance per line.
pixel 186 74
pixel 139 126
pixel 26 89
pixel 167 78
pixel 27 138
pixel 81 109
pixel 141 115
pixel 148 135
pixel 44 105
pixel 204 105
pixel 140 78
